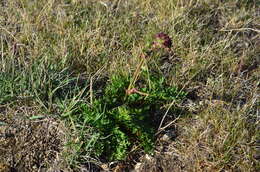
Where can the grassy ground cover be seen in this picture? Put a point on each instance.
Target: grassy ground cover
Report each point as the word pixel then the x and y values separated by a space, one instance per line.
pixel 126 84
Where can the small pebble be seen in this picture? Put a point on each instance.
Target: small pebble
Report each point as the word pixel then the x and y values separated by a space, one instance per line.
pixel 169 135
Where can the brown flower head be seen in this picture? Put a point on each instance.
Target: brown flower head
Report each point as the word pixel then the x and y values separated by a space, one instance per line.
pixel 162 40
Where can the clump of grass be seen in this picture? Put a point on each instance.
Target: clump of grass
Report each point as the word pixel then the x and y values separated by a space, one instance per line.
pixel 219 140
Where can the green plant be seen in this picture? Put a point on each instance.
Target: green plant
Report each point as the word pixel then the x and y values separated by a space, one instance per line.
pixel 124 118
